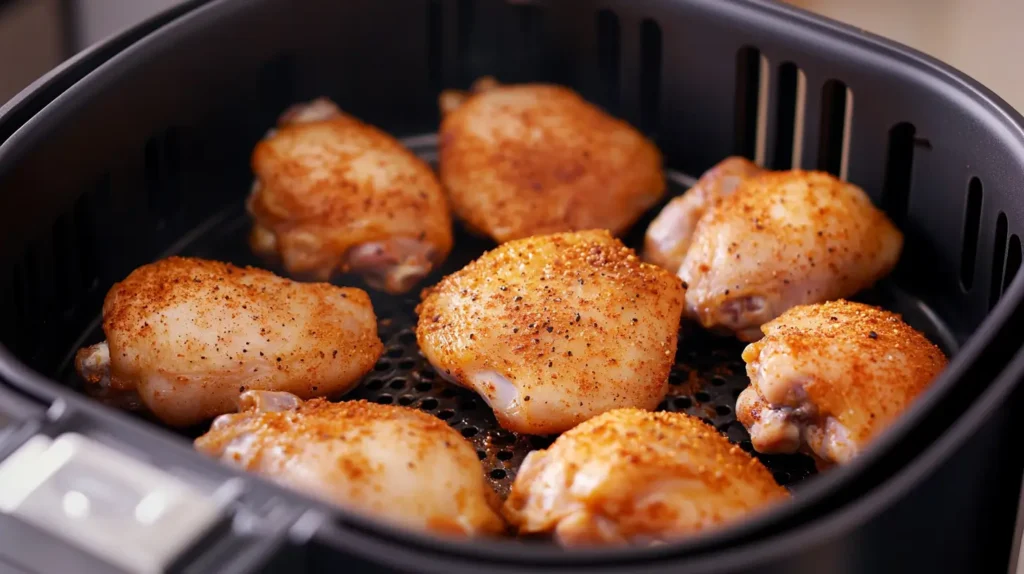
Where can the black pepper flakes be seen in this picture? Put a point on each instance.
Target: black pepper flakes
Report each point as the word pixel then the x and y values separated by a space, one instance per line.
pixel 873 335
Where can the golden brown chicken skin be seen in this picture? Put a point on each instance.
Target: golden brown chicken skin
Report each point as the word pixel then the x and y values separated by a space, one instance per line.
pixel 552 330
pixel 391 463
pixel 532 159
pixel 333 194
pixel 189 334
pixel 784 239
pixel 635 477
pixel 668 237
pixel 828 378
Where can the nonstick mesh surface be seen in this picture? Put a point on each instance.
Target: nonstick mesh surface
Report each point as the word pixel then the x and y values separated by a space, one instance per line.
pixel 707 377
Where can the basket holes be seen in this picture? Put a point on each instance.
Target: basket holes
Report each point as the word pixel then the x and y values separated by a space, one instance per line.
pixel 898 170
pixel 382 365
pixel 445 414
pixel 538 442
pixel 675 378
pixel 375 384
pixel 395 352
pixel 405 401
pixel 682 403
pixel 748 93
pixel 789 119
pixel 424 387
pixel 470 432
pixel 481 454
pixel 384 399
pixel 448 393
pixel 972 225
pixel 428 404
pixel 397 383
pixel 435 46
pixel 407 364
pixel 662 406
pixel 1013 261
pixel 504 438
pixel 608 60
pixel 702 397
pixel 427 375
pixel 717 381
pixel 498 474
pixel 836 116
pixel 407 338
pixel 650 74
pixel 723 410
pixel 504 455
pixel 998 258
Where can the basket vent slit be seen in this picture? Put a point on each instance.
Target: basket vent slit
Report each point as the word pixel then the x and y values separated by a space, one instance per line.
pixel 998 259
pixel 898 170
pixel 1013 261
pixel 834 133
pixel 972 225
pixel 786 134
pixel 608 58
pixel 650 75
pixel 748 91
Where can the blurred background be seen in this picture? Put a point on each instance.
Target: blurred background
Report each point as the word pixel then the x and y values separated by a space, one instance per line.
pixel 980 37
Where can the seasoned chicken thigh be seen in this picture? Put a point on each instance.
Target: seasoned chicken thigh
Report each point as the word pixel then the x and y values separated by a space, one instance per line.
pixel 784 239
pixel 388 462
pixel 668 236
pixel 335 194
pixel 633 477
pixel 828 378
pixel 188 335
pixel 533 159
pixel 555 329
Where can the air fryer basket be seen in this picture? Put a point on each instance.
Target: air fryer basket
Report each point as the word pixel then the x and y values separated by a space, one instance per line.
pixel 147 155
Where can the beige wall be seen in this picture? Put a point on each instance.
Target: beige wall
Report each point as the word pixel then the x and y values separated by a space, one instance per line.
pixel 984 38
pixel 30 43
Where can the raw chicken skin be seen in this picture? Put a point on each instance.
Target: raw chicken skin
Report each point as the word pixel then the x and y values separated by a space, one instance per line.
pixel 532 159
pixel 335 194
pixel 784 239
pixel 828 378
pixel 635 477
pixel 189 334
pixel 555 329
pixel 668 236
pixel 387 462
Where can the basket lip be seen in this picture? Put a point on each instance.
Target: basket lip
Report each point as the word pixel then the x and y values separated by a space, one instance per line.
pixel 173 23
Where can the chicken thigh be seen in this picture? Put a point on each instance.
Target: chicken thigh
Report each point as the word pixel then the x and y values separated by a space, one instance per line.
pixel 828 378
pixel 555 329
pixel 784 239
pixel 533 159
pixel 668 236
pixel 335 194
pixel 388 462
pixel 634 477
pixel 189 334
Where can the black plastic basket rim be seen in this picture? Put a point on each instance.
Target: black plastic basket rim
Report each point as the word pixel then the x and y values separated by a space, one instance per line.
pixel 164 35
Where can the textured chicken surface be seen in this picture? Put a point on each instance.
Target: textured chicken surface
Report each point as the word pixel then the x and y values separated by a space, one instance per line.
pixel 784 239
pixel 552 330
pixel 828 378
pixel 532 159
pixel 668 236
pixel 189 334
pixel 635 477
pixel 388 462
pixel 335 194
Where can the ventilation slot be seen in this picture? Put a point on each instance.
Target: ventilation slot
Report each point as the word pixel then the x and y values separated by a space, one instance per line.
pixel 86 222
pixel 530 32
pixel 836 113
pixel 751 101
pixel 898 169
pixel 650 75
pixel 1013 260
pixel 998 257
pixel 972 223
pixel 789 117
pixel 608 61
pixel 163 171
pixel 435 45
pixel 276 87
pixel 464 30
